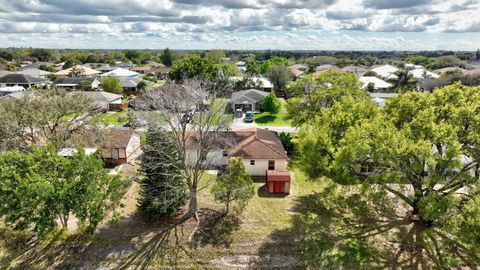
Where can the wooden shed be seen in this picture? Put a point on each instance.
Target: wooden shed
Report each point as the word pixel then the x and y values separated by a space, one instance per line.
pixel 278 181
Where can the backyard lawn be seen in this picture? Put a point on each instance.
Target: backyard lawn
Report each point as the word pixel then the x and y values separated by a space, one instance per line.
pixel 315 227
pixel 114 118
pixel 267 119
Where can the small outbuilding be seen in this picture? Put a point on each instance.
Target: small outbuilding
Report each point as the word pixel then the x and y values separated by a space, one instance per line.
pixel 278 182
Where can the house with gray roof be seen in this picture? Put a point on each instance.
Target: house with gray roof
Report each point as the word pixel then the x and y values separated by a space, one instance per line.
pixel 74 83
pixel 35 72
pixel 21 80
pixel 247 100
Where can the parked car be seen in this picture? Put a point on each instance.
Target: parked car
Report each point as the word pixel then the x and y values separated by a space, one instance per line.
pixel 248 117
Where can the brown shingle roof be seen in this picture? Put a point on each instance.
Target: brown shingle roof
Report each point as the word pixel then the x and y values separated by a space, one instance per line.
pixel 252 143
pixel 119 138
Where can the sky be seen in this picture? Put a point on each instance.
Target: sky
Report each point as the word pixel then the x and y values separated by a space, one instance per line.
pixel 242 24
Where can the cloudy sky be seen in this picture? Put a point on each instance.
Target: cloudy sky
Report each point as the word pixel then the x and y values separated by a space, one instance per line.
pixel 242 24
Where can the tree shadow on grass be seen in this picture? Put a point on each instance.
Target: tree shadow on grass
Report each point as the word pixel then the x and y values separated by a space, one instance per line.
pixel 266 119
pixel 135 243
pixel 340 228
pixel 216 228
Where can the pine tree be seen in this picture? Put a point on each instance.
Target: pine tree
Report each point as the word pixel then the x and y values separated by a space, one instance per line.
pixel 163 190
pixel 167 57
pixel 478 54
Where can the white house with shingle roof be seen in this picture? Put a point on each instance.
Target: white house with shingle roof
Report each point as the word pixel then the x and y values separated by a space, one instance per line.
pixel 260 149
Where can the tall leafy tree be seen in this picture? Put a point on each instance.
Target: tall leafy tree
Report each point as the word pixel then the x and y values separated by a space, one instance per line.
pixel 423 149
pixel 271 62
pixel 39 188
pixel 311 95
pixel 193 66
pixel 112 84
pixel 234 185
pixel 279 75
pixel 163 188
pixel 271 103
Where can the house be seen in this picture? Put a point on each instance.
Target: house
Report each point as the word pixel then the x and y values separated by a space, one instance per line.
pixel 360 71
pixel 297 73
pixel 107 101
pixel 261 150
pixel 247 100
pixel 420 73
pixel 129 84
pixel 301 67
pixel 122 146
pixel 121 72
pixel 265 83
pixel 73 83
pixel 152 69
pixel 385 71
pixel 35 72
pixel 16 79
pixel 105 68
pixel 378 84
pixel 325 68
pixel 83 71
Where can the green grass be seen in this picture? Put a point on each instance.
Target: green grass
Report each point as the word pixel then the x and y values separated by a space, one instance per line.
pixel 114 118
pixel 267 119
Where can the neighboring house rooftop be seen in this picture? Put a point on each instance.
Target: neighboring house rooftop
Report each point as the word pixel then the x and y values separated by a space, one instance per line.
pixel 298 66
pixel 127 82
pixel 102 96
pixel 34 72
pixel 18 95
pixel 385 71
pixel 419 73
pixel 5 72
pixel 377 83
pixel 119 138
pixel 72 80
pixel 248 96
pixel 85 71
pixel 16 78
pixel 121 72
pixel 355 69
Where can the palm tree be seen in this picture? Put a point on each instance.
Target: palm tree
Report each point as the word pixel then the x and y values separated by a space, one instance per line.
pixel 404 79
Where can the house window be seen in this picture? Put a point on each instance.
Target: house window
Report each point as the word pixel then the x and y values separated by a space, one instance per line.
pixel 225 153
pixel 271 165
pixel 252 162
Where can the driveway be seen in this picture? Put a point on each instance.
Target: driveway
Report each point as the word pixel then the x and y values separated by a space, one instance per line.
pixel 239 124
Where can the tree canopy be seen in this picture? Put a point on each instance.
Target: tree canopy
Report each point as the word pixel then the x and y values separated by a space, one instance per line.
pixel 112 84
pixel 273 61
pixel 193 66
pixel 40 187
pixel 311 95
pixel 271 103
pixel 234 185
pixel 423 148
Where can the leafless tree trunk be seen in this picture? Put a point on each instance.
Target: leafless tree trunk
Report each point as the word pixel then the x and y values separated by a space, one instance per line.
pixel 195 135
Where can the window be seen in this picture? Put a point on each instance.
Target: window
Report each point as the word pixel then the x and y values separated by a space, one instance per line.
pixel 225 153
pixel 252 162
pixel 271 165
